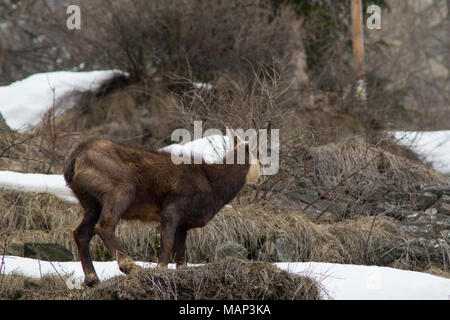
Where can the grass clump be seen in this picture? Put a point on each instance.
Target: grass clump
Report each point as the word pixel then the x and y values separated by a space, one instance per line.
pixel 19 287
pixel 225 280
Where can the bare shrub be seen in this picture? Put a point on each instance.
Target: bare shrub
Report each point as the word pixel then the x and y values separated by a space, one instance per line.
pixel 188 38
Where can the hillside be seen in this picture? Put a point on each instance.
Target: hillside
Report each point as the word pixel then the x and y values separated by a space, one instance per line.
pixel 357 187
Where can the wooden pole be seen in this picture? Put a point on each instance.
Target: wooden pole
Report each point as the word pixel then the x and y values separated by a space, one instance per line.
pixel 358 50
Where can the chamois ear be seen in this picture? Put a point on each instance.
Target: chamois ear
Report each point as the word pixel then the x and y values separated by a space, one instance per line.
pixel 255 125
pixel 236 139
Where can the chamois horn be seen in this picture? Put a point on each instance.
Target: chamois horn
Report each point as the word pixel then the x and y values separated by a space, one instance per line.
pixel 269 124
pixel 255 125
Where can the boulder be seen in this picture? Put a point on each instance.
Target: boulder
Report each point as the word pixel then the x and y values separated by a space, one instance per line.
pixel 231 250
pixel 445 209
pixel 47 251
pixel 426 200
pixel 285 250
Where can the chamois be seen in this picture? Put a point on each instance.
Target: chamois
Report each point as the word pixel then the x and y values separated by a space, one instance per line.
pixel 113 181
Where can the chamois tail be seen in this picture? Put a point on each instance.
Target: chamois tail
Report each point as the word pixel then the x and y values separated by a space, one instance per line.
pixel 69 168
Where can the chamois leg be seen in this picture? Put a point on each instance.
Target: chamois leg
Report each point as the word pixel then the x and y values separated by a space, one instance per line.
pixel 83 235
pixel 179 247
pixel 113 209
pixel 169 225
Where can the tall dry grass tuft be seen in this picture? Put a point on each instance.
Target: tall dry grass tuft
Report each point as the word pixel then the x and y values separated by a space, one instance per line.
pixel 225 280
pixel 351 178
pixel 262 234
pixel 49 287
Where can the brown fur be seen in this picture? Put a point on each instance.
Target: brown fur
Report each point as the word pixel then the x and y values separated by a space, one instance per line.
pixel 113 181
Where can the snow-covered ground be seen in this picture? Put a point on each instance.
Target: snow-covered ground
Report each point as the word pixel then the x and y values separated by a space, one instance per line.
pixel 33 182
pixel 433 146
pixel 24 102
pixel 336 281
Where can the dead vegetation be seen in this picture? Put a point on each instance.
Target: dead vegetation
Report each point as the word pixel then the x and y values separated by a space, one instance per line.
pixel 267 235
pixel 226 280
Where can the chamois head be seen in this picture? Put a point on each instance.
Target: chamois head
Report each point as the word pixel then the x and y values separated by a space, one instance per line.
pixel 253 174
pixel 251 154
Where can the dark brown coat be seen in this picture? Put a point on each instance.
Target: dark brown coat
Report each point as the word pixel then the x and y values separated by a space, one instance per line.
pixel 114 181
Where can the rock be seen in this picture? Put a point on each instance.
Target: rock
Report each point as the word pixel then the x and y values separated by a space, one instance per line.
pixel 445 209
pixel 446 234
pixel 231 250
pixel 402 264
pixel 307 196
pixel 431 213
pixel 426 200
pixel 417 251
pixel 390 255
pixel 285 250
pixel 433 188
pixel 445 199
pixel 437 189
pixel 304 183
pixel 47 251
pixel 393 211
pixel 13 249
pixel 410 228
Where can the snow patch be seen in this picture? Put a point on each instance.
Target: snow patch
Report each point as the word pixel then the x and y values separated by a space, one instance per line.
pixel 24 102
pixel 433 146
pixel 336 281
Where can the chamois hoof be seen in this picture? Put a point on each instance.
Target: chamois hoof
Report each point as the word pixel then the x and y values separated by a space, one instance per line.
pixel 162 266
pixel 181 265
pixel 91 280
pixel 126 264
pixel 129 267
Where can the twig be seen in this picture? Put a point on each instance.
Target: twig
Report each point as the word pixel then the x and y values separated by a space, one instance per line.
pixel 366 245
pixel 3 260
pixel 324 210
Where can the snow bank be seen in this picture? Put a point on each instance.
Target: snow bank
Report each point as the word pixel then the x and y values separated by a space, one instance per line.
pixel 31 182
pixel 433 146
pixel 357 282
pixel 211 148
pixel 24 102
pixel 337 281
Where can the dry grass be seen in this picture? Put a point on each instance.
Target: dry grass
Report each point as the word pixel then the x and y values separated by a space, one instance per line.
pixel 44 218
pixel 260 232
pixel 336 160
pixel 359 177
pixel 225 280
pixel 19 287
